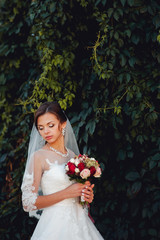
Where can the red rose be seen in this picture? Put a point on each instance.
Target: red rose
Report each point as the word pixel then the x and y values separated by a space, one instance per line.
pixel 71 168
pixel 81 166
pixel 92 170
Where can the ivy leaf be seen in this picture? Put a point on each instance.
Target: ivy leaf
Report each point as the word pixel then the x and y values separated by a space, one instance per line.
pixel 3 157
pixel 110 11
pixel 136 187
pixel 132 176
pixel 97 2
pixel 135 39
pixel 2 79
pixel 140 139
pixel 52 7
pixel 91 126
pixel 123 60
pixel 121 154
pixel 156 21
pixel 156 157
pixel 152 164
pixel 123 2
pixel 132 61
pixel 130 2
pixel 152 232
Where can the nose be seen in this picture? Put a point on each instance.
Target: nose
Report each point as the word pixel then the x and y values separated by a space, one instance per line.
pixel 46 130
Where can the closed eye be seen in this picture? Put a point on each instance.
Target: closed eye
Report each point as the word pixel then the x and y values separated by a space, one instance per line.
pixel 51 125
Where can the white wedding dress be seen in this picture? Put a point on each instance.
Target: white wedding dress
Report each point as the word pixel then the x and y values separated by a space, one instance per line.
pixel 66 220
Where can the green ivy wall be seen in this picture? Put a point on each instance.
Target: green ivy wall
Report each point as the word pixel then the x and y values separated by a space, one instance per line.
pixel 100 60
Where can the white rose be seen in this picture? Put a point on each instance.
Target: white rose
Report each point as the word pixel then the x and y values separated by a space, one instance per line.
pixel 77 170
pixel 67 168
pixel 93 159
pixel 72 160
pixel 76 162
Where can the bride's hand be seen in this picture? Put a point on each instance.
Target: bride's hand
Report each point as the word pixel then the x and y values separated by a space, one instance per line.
pixel 87 192
pixel 79 189
pixel 75 190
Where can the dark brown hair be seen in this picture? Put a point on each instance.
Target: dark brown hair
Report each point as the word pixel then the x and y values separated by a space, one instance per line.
pixel 50 107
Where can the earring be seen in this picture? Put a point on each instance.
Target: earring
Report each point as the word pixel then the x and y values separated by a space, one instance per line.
pixel 63 131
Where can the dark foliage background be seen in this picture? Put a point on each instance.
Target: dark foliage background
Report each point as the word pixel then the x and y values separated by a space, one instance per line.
pixel 100 59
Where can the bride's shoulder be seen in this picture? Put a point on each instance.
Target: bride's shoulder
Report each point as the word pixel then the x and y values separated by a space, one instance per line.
pixel 71 153
pixel 40 153
pixel 40 156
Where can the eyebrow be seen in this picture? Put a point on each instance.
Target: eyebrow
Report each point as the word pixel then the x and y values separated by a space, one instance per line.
pixel 47 123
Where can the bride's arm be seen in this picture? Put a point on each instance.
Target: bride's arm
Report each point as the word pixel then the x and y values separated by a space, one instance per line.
pixel 72 191
pixel 32 201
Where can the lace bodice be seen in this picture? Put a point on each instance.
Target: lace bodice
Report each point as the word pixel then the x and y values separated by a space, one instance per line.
pixel 46 173
pixel 55 179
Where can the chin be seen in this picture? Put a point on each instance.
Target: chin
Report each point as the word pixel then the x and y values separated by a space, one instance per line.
pixel 51 141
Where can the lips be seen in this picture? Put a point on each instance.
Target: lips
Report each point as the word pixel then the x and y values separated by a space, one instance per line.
pixel 48 137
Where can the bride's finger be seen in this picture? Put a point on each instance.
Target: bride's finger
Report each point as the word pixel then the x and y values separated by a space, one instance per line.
pixel 88 198
pixel 88 194
pixel 88 189
pixel 92 186
pixel 88 183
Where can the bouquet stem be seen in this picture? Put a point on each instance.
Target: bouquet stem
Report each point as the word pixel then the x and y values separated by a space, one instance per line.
pixel 82 199
pixel 83 202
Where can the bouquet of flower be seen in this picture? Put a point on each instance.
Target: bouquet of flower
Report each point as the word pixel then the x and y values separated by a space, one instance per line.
pixel 82 168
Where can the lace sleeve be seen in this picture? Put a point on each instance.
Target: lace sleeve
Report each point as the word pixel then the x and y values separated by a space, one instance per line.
pixel 30 184
pixel 29 197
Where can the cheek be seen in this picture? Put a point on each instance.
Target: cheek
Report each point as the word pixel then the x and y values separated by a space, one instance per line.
pixel 58 131
pixel 41 133
pixel 55 130
pixel 60 127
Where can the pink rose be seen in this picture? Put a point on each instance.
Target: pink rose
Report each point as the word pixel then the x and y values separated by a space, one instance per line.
pixel 98 172
pixel 85 173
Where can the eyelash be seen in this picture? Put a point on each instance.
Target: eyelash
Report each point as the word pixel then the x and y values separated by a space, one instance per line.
pixel 50 126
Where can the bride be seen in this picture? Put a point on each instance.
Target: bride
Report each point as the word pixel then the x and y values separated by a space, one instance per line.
pixel 47 187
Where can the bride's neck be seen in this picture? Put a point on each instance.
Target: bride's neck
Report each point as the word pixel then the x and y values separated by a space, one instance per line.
pixel 58 145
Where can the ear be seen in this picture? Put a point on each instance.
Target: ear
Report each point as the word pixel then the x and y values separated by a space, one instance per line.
pixel 64 124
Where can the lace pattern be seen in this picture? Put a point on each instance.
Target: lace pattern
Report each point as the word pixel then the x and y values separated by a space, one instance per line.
pixel 28 195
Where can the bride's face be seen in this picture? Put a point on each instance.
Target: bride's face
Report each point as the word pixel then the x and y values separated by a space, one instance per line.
pixel 50 127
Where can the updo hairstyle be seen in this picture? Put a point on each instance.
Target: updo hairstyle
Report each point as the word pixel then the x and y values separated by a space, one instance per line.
pixel 50 107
